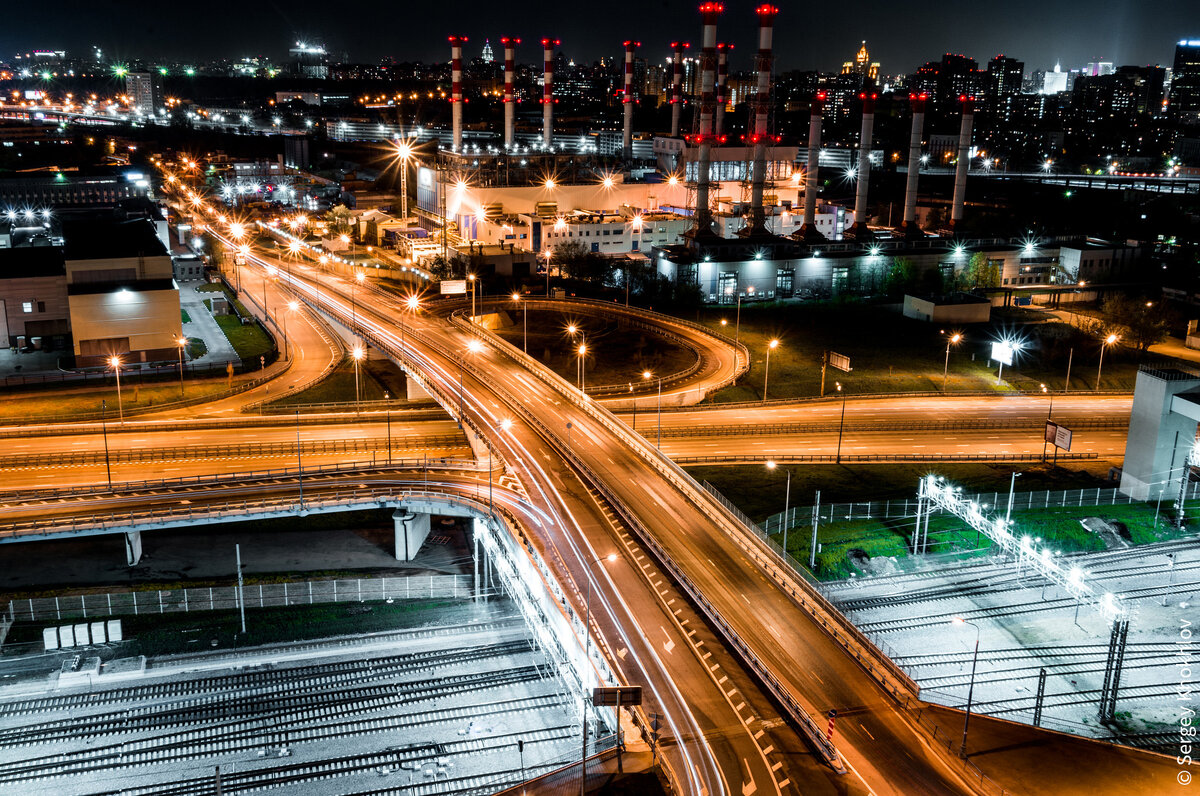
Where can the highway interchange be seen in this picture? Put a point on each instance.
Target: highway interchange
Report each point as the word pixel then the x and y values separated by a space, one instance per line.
pixel 592 488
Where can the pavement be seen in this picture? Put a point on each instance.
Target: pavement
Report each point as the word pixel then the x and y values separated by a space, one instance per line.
pixel 1171 347
pixel 202 325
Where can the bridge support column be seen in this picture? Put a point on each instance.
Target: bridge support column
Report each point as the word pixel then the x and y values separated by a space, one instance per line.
pixel 411 532
pixel 414 391
pixel 133 548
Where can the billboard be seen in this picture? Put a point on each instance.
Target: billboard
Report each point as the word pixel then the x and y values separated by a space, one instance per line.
pixel 839 361
pixel 1003 352
pixel 454 287
pixel 1060 436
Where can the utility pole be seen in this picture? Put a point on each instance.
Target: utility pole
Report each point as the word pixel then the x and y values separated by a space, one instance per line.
pixel 816 517
pixel 241 592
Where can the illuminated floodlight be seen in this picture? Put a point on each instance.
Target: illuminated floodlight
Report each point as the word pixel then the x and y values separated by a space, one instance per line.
pixel 1004 350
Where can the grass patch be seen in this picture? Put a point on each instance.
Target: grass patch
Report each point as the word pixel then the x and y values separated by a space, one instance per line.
pixel 249 341
pixel 196 348
pixel 134 395
pixel 616 355
pixel 184 315
pixel 169 634
pixel 375 378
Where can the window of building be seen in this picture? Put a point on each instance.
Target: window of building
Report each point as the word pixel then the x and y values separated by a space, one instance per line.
pixel 27 306
pixel 784 281
pixel 41 306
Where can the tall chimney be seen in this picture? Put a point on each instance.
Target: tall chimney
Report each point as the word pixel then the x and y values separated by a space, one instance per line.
pixel 708 101
pixel 627 100
pixel 456 92
pixel 914 164
pixel 964 159
pixel 510 102
pixel 808 231
pixel 762 108
pixel 677 86
pixel 722 79
pixel 548 46
pixel 859 230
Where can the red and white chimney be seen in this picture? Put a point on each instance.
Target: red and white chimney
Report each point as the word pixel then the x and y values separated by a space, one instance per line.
pixel 709 12
pixel 762 109
pixel 859 230
pixel 813 168
pixel 722 78
pixel 510 101
pixel 627 100
pixel 914 163
pixel 964 159
pixel 677 86
pixel 456 92
pixel 548 46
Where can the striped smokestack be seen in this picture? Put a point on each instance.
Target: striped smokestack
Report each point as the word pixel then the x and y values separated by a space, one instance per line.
pixel 627 100
pixel 914 163
pixel 964 159
pixel 722 79
pixel 548 46
pixel 812 168
pixel 677 86
pixel 456 92
pixel 762 108
pixel 708 101
pixel 510 102
pixel 859 230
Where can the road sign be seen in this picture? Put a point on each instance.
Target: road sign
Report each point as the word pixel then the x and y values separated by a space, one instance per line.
pixel 621 696
pixel 839 361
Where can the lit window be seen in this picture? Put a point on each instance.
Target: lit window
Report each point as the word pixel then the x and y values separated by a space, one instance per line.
pixel 27 306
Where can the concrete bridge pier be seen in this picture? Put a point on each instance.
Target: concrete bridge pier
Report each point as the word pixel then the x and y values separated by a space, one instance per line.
pixel 413 389
pixel 411 532
pixel 133 548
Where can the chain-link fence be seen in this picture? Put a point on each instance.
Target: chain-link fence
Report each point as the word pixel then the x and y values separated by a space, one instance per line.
pixel 225 598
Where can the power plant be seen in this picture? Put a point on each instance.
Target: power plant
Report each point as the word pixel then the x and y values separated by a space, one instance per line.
pixel 725 214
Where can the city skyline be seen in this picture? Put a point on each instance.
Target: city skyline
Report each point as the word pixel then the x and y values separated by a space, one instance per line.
pixel 1119 32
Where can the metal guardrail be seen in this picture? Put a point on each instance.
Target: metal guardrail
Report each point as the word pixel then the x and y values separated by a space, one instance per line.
pixel 308 448
pixel 777 402
pixel 771 429
pixel 356 407
pixel 239 478
pixel 862 458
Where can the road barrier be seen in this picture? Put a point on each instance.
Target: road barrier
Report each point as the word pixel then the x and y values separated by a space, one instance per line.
pixel 867 458
pixel 1096 424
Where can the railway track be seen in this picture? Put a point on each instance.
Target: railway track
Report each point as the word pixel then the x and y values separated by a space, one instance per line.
pixel 295 724
pixel 261 692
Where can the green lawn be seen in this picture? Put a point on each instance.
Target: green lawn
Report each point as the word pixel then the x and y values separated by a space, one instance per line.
pixel 77 402
pixel 184 314
pixel 375 377
pixel 616 355
pixel 891 353
pixel 248 340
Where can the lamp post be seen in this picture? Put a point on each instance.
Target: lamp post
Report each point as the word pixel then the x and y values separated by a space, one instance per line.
pixel 1012 484
pixel 292 307
pixel 404 152
pixel 357 355
pixel 767 370
pixel 737 327
pixel 841 423
pixel 1111 339
pixel 471 279
pixel 587 657
pixel 387 398
pixel 787 499
pixel 1049 413
pixel 115 361
pixel 952 340
pixel 958 620
pixel 583 368
pixel 182 343
pixel 516 297
pixel 357 280
pixel 104 431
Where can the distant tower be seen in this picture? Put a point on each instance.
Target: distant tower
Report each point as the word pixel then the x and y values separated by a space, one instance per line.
pixel 488 58
pixel 862 66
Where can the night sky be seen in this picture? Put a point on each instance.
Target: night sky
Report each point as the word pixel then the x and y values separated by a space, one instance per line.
pixel 900 36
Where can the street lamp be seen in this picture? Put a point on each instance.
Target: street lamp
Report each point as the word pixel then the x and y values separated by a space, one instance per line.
pixel 787 498
pixel 115 362
pixel 404 152
pixel 292 307
pixel 587 657
pixel 648 375
pixel 1012 484
pixel 357 354
pixel 182 343
pixel 516 297
pixel 958 620
pixel 1049 413
pixel 471 279
pixel 583 368
pixel 358 280
pixel 412 303
pixel 1110 340
pixel 767 370
pixel 951 340
pixel 737 328
pixel 104 431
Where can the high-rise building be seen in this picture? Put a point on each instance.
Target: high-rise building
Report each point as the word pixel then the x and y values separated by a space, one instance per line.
pixel 1099 68
pixel 1004 76
pixel 309 60
pixel 145 91
pixel 1185 82
pixel 1055 81
pixel 488 57
pixel 863 66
